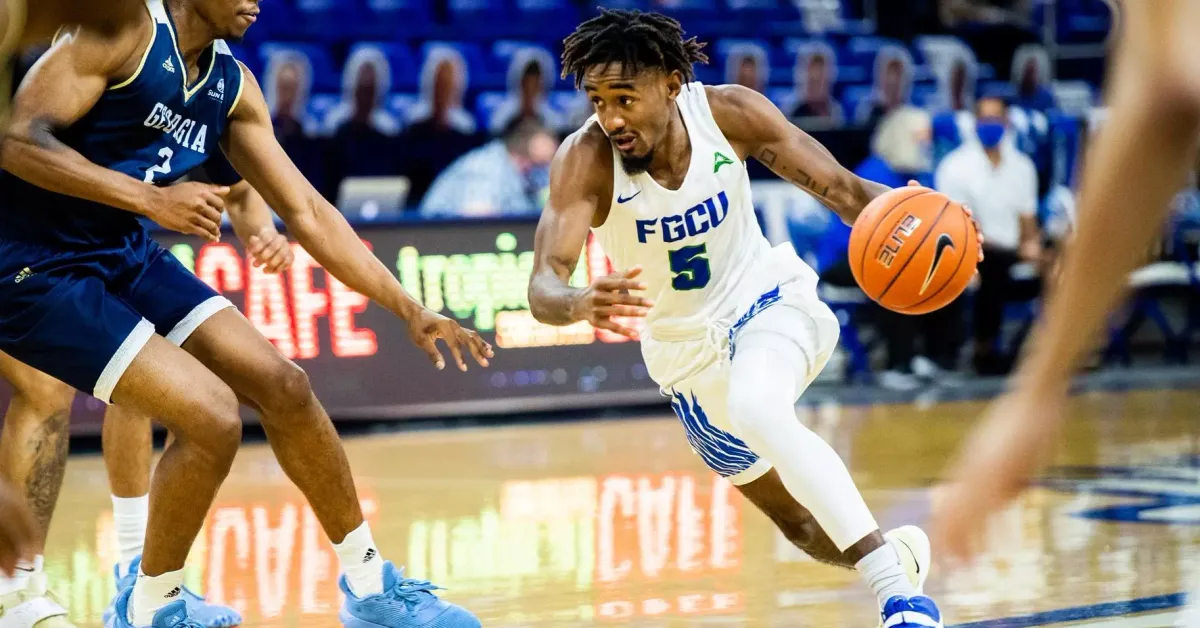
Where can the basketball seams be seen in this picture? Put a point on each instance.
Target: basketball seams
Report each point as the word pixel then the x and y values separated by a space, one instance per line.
pixel 862 263
pixel 896 275
pixel 968 228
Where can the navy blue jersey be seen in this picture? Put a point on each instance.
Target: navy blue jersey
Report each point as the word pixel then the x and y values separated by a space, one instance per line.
pixel 152 126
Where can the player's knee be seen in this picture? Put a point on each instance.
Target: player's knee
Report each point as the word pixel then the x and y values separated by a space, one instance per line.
pixel 752 409
pixel 220 432
pixel 289 392
pixel 44 395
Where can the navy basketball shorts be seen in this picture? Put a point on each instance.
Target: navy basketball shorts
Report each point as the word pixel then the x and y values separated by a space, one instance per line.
pixel 82 316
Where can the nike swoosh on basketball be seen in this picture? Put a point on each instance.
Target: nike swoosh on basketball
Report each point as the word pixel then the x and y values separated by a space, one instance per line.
pixel 626 199
pixel 943 242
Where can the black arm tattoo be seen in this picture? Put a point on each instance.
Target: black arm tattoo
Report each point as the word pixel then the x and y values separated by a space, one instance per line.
pixel 846 197
pixel 770 159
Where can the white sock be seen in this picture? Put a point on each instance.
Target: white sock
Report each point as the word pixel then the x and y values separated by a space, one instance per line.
pixel 129 518
pixel 770 369
pixel 20 579
pixel 361 562
pixel 883 572
pixel 151 593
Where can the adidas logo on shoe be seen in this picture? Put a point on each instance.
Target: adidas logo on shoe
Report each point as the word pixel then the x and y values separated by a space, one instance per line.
pixel 174 593
pixel 371 553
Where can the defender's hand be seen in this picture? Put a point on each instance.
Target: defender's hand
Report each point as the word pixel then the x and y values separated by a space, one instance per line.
pixel 191 208
pixel 1011 443
pixel 16 529
pixel 270 250
pixel 428 326
pixel 609 297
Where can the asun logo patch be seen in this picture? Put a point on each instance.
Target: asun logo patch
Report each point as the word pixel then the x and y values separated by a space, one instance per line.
pixel 219 93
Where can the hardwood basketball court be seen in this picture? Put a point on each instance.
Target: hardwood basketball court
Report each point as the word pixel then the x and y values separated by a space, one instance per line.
pixel 619 523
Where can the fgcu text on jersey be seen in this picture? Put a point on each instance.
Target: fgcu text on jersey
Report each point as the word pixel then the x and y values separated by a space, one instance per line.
pixel 697 220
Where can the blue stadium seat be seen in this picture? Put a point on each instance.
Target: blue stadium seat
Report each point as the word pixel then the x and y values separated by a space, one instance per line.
pixel 643 5
pixel 487 103
pixel 394 19
pixel 319 106
pixel 480 19
pixel 924 93
pixel 852 96
pixel 278 20
pixel 325 77
pixel 400 58
pixel 331 20
pixel 1083 21
pixel 543 16
pixel 400 104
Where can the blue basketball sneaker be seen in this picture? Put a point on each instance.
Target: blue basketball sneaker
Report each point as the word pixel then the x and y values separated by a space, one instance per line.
pixel 173 615
pixel 404 603
pixel 205 614
pixel 911 612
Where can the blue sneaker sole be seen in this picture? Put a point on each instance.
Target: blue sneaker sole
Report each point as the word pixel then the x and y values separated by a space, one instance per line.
pixel 350 621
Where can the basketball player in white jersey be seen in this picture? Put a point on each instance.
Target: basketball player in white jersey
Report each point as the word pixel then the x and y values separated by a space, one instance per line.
pixel 734 329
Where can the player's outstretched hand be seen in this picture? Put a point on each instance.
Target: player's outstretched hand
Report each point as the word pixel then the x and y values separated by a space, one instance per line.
pixel 191 208
pixel 270 250
pixel 16 529
pixel 970 214
pixel 610 297
pixel 428 326
pixel 1010 444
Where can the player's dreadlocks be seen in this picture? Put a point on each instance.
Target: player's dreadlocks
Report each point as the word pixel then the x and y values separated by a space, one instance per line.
pixel 634 39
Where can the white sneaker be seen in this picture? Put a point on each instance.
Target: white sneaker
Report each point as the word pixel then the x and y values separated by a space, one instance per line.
pixel 898 381
pixel 929 371
pixel 34 607
pixel 925 368
pixel 912 544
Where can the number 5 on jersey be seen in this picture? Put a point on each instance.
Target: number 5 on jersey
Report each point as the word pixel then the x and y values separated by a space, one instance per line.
pixel 690 265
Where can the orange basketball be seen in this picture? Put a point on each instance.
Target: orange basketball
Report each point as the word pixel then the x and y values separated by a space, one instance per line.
pixel 913 250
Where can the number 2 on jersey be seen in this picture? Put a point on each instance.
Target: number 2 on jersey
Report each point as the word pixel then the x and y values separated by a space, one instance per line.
pixel 691 268
pixel 164 168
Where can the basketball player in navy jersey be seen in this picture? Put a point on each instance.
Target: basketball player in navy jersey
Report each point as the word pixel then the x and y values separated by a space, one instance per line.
pixel 734 329
pixel 33 444
pixel 101 123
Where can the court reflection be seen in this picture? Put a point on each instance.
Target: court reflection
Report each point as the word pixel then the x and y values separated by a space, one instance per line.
pixel 619 523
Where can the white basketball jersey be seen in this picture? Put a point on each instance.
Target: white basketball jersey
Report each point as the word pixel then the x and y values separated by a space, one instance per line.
pixel 696 244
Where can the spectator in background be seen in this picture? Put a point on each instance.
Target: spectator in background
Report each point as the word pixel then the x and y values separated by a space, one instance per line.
pixel 747 65
pixel 900 152
pixel 956 72
pixel 509 176
pixel 893 85
pixel 994 28
pixel 288 80
pixel 439 129
pixel 1031 77
pixel 1000 184
pixel 530 78
pixel 366 81
pixel 363 132
pixel 813 105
